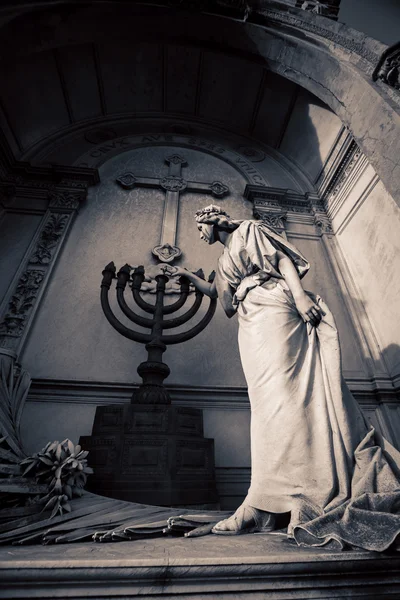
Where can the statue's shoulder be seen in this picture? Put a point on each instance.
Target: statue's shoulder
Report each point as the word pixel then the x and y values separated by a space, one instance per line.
pixel 246 225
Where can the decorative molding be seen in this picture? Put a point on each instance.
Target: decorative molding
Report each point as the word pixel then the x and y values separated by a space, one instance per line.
pixel 274 219
pixel 48 240
pixel 324 9
pixel 264 197
pixel 314 25
pixel 21 303
pixel 30 284
pixel 323 224
pixel 65 199
pixel 276 206
pixel 342 172
pixel 371 391
pixel 99 393
pixel 388 67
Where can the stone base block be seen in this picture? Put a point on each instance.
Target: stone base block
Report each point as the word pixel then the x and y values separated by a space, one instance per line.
pixel 152 454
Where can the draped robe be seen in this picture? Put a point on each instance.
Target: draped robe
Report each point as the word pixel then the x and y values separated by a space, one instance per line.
pixel 313 453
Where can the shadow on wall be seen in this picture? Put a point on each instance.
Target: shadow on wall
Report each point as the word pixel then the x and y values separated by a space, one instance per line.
pixel 382 360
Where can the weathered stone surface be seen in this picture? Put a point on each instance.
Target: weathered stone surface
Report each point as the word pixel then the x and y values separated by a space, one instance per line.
pixel 256 566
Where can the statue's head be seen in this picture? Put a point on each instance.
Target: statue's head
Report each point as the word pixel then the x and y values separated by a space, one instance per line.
pixel 208 219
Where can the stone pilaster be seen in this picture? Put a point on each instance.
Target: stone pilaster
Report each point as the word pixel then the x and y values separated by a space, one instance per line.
pixel 55 192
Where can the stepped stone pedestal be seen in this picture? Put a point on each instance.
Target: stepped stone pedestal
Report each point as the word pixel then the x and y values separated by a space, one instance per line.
pixel 249 567
pixel 152 454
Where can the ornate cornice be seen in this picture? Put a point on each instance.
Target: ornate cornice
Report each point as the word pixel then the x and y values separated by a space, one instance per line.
pixel 343 171
pixel 280 199
pixel 314 24
pixel 273 205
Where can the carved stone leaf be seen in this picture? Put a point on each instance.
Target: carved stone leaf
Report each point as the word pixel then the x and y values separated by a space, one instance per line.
pixel 69 200
pixel 21 302
pixel 14 387
pixel 49 239
pixel 273 219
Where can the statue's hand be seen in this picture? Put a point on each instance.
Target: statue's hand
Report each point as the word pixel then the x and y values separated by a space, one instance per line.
pixel 176 271
pixel 309 311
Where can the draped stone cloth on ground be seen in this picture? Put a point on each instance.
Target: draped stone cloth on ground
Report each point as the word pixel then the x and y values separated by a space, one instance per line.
pixel 313 452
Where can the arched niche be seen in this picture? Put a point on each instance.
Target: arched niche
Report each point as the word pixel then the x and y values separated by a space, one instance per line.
pixel 328 59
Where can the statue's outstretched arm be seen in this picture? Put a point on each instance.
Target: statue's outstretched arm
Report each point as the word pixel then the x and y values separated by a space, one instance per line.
pixel 205 287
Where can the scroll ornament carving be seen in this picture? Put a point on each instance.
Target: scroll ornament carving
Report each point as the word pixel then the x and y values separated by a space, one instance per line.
pixel 272 219
pixel 323 224
pixel 388 68
pixel 49 239
pixel 21 302
pixel 65 199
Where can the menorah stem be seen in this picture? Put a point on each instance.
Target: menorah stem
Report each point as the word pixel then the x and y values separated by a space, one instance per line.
pixel 154 371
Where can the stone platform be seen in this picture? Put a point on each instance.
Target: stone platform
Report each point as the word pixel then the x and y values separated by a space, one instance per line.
pixel 256 566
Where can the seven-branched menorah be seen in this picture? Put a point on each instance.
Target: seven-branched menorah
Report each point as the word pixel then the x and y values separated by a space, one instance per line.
pixel 153 371
pixel 150 450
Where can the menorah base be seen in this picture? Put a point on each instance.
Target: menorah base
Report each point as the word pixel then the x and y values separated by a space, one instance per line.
pixel 152 454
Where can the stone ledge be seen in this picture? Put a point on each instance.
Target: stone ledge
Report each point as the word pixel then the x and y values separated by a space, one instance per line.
pixel 252 566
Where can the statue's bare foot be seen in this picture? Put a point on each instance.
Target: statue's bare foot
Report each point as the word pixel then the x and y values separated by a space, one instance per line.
pixel 246 519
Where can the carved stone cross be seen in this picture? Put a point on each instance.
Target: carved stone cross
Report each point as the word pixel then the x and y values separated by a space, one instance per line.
pixel 173 184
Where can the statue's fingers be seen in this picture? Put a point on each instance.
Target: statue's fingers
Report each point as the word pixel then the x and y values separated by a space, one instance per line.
pixel 202 530
pixel 312 317
pixel 316 313
pixel 321 310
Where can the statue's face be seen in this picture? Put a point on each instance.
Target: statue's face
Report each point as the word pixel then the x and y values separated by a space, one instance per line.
pixel 206 232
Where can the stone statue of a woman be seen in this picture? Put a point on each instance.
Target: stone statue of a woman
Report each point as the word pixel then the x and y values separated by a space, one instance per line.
pixel 313 454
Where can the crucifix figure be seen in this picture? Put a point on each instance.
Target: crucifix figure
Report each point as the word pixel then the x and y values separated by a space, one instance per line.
pixel 173 184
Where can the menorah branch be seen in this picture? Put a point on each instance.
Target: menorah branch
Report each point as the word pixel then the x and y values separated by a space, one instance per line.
pixel 153 371
pixel 189 314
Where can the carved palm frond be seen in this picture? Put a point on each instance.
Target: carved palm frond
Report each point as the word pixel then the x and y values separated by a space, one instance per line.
pixel 14 387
